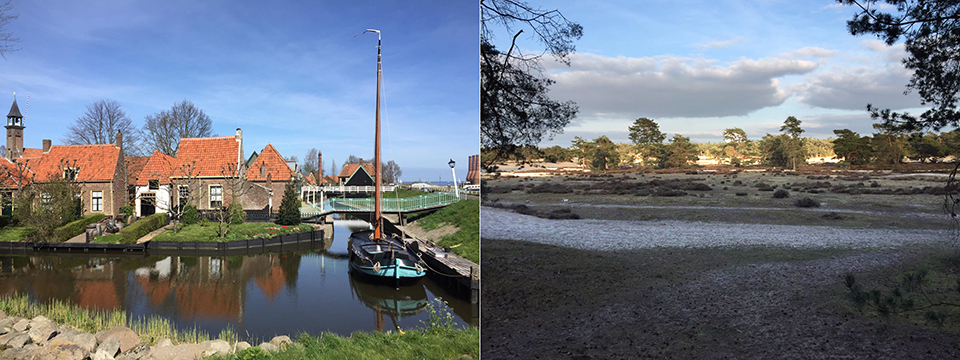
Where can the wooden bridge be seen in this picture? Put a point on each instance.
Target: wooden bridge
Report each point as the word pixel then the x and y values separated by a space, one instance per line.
pixel 365 205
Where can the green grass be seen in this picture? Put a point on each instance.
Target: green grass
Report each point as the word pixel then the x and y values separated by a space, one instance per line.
pixel 244 231
pixel 15 233
pixel 413 344
pixel 92 321
pixel 464 214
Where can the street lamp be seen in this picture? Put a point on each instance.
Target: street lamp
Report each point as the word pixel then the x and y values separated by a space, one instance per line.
pixel 453 164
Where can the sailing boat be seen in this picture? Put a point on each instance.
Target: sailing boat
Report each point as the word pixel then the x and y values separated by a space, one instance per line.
pixel 372 253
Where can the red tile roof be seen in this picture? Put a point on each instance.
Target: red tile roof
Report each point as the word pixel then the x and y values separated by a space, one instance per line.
pixel 9 172
pixel 273 164
pixel 159 166
pixel 210 155
pixel 349 169
pixel 330 179
pixel 135 165
pixel 95 162
pixel 31 153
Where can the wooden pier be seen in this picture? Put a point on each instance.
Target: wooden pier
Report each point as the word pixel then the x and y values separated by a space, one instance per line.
pixel 449 269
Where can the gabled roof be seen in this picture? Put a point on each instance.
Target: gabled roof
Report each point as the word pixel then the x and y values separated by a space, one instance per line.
pixel 210 155
pixel 349 169
pixel 330 179
pixel 135 165
pixel 14 110
pixel 31 153
pixel 159 166
pixel 273 164
pixel 95 162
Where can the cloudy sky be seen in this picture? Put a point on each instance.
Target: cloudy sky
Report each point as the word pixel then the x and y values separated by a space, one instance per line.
pixel 699 67
pixel 289 73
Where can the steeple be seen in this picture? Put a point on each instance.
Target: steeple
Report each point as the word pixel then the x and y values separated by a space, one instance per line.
pixel 14 131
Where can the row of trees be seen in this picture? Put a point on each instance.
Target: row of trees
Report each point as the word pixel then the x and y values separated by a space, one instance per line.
pixel 787 149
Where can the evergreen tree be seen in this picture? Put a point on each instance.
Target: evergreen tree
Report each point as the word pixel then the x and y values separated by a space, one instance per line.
pixel 289 206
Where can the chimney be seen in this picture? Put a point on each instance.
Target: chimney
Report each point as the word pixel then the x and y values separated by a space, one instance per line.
pixel 319 168
pixel 119 140
pixel 46 146
pixel 239 137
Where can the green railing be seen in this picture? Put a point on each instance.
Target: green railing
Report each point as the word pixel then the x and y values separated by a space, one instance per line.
pixel 407 204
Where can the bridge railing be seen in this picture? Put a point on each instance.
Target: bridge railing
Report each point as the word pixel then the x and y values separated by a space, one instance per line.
pixel 388 205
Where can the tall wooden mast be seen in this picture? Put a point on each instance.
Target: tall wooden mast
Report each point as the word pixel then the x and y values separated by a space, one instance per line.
pixel 378 221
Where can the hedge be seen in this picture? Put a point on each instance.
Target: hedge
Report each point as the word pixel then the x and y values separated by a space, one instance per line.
pixel 75 227
pixel 144 226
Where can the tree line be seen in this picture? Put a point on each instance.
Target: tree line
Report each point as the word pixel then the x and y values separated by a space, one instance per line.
pixel 648 149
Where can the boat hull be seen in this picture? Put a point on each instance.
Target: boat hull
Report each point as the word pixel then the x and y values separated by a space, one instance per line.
pixel 385 260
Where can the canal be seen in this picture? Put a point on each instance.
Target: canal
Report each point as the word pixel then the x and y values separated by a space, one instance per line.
pixel 258 295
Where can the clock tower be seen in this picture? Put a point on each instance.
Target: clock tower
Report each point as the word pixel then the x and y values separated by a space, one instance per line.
pixel 14 131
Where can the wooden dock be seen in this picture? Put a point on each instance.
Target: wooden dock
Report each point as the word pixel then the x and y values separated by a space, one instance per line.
pixel 452 270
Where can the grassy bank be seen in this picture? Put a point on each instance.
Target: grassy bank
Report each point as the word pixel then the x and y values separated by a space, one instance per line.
pixel 208 232
pixel 92 321
pixel 412 344
pixel 15 233
pixel 465 215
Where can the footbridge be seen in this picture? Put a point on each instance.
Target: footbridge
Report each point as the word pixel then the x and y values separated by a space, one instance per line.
pixel 388 205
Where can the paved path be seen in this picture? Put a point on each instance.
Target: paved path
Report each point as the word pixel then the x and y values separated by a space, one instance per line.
pixel 154 233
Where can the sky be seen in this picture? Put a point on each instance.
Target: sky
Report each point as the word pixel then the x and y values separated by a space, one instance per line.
pixel 699 67
pixel 289 73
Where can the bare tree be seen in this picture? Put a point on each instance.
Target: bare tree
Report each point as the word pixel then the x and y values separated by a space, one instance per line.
pixel 234 187
pixel 163 131
pixel 100 124
pixel 310 165
pixel 184 190
pixel 391 172
pixel 8 42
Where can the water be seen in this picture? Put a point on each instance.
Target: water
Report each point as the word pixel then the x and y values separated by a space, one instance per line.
pixel 259 295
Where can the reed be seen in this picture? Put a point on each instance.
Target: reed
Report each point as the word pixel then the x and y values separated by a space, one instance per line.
pixel 151 329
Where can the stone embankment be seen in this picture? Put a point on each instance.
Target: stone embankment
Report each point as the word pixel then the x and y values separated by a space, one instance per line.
pixel 41 338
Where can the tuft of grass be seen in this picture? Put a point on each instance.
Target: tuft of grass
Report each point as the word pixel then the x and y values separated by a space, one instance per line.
pixel 781 194
pixel 465 215
pixel 806 202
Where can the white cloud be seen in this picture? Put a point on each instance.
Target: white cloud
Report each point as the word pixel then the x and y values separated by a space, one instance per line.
pixel 810 52
pixel 670 86
pixel 718 44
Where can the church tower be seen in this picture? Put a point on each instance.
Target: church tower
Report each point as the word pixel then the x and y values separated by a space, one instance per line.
pixel 14 131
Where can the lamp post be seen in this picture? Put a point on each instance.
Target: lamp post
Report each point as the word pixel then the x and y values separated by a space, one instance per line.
pixel 453 164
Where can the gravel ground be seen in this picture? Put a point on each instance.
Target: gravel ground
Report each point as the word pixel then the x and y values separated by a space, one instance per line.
pixel 607 235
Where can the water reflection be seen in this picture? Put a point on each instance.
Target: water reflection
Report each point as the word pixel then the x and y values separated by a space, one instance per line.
pixel 260 295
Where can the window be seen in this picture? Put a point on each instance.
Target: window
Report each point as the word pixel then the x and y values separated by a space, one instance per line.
pixel 70 174
pixel 154 184
pixel 216 196
pixel 45 200
pixel 97 201
pixel 183 192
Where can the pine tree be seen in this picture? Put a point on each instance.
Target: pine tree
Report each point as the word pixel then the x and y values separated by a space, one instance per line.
pixel 289 206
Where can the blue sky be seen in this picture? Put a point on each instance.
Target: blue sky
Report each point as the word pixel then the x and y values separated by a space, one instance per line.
pixel 287 73
pixel 699 67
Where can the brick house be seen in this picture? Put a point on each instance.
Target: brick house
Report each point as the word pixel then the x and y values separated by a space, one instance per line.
pixel 153 189
pixel 270 171
pixel 356 175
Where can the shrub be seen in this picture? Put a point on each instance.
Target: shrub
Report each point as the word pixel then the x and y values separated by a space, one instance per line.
pixel 131 233
pixel 5 220
pixel 806 202
pixel 127 209
pixel 235 212
pixel 190 215
pixel 741 194
pixel 781 194
pixel 75 227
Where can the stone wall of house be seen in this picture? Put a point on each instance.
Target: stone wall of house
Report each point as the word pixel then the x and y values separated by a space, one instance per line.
pixel 110 199
pixel 253 197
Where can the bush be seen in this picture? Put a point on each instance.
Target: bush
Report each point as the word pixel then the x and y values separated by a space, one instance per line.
pixel 131 233
pixel 235 212
pixel 75 227
pixel 190 215
pixel 806 203
pixel 741 194
pixel 781 194
pixel 127 209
